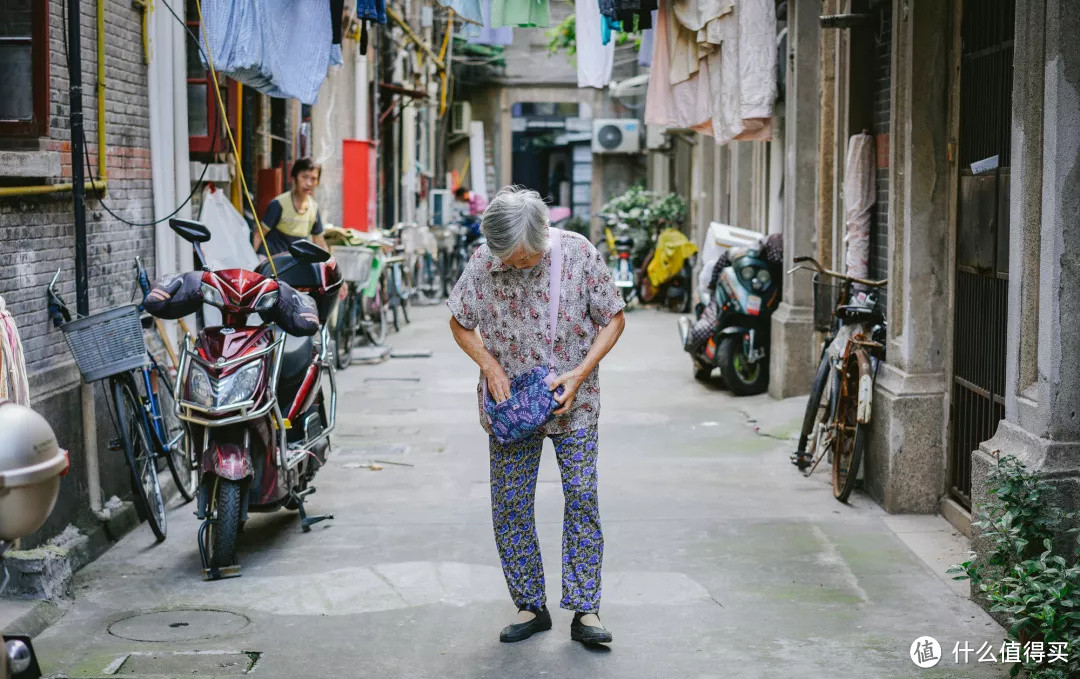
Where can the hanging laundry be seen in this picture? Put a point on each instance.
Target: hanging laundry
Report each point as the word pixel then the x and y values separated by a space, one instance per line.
pixel 485 34
pixel 468 10
pixel 683 104
pixel 713 69
pixel 635 14
pixel 524 13
pixel 860 193
pixel 594 58
pixel 371 10
pixel 646 49
pixel 255 42
pixel 608 26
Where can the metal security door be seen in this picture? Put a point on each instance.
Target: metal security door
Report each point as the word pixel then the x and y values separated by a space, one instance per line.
pixel 982 233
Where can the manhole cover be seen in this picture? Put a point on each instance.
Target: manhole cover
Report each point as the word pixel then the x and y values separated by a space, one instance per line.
pixel 179 625
pixel 188 663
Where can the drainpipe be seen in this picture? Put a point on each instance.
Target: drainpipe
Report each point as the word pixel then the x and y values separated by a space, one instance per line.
pixel 360 88
pixel 78 193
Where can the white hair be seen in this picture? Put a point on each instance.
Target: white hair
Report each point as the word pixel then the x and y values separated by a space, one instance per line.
pixel 515 217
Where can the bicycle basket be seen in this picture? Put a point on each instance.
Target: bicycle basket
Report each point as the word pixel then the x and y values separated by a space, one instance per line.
pixel 354 263
pixel 826 294
pixel 107 343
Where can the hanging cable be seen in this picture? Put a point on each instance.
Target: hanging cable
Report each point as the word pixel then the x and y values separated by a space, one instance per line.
pixel 86 149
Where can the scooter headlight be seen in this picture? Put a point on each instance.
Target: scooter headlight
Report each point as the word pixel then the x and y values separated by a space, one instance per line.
pixel 267 301
pixel 240 386
pixel 199 389
pixel 211 295
pixel 761 280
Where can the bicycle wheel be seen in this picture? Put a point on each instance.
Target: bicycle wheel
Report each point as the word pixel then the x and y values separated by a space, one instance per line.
pixel 849 438
pixel 405 290
pixel 375 311
pixel 142 461
pixel 175 437
pixel 345 332
pixel 815 406
pixel 392 296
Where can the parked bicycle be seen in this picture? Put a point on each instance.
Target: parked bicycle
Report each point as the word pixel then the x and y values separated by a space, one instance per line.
pixel 365 308
pixel 110 345
pixel 840 405
pixel 399 286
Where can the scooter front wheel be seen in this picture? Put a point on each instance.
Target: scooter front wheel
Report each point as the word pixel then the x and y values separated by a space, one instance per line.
pixel 221 534
pixel 743 377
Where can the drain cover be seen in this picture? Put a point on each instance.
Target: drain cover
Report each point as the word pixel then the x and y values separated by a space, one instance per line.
pixel 188 663
pixel 194 624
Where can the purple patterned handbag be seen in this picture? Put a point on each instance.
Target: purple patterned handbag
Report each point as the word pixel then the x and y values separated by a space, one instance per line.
pixel 531 401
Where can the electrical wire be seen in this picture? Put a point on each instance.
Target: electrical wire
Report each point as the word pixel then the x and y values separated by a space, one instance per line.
pixel 86 149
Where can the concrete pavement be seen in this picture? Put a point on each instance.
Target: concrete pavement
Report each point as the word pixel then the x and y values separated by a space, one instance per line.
pixel 721 560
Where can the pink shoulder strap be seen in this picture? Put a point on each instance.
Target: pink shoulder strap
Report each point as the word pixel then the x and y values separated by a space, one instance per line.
pixel 555 289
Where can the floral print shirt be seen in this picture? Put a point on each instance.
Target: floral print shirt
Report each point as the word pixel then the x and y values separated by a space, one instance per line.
pixel 510 307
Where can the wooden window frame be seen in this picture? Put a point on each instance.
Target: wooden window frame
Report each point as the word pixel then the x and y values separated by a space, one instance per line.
pixel 202 143
pixel 38 125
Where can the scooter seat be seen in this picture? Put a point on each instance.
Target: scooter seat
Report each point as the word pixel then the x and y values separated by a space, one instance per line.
pixel 298 354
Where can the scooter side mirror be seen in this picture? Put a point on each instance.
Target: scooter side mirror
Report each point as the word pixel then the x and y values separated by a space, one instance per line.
pixel 189 230
pixel 307 252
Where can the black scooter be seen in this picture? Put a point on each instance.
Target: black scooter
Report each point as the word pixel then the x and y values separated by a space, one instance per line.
pixel 745 296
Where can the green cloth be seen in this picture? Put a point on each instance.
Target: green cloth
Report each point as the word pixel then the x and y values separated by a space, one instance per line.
pixel 524 13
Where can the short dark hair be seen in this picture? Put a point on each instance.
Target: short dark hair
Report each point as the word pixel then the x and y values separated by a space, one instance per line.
pixel 304 165
pixel 460 192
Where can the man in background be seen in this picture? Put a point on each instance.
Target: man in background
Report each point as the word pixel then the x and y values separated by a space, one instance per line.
pixel 294 215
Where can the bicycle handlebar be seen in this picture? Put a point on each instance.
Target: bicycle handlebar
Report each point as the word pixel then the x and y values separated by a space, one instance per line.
pixel 58 311
pixel 815 266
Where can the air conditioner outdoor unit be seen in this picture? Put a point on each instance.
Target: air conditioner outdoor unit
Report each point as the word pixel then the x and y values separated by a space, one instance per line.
pixel 460 117
pixel 618 135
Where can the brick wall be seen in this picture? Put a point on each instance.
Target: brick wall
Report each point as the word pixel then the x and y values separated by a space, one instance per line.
pixel 879 229
pixel 37 234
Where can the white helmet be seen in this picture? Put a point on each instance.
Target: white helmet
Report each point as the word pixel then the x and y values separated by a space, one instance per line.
pixel 31 464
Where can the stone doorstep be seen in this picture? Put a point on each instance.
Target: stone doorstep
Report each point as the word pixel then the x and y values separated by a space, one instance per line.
pixel 936 542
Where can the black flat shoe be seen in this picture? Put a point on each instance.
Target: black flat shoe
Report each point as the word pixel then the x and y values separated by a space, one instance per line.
pixel 588 634
pixel 523 630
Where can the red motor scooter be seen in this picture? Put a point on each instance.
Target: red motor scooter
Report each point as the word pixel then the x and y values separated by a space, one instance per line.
pixel 251 396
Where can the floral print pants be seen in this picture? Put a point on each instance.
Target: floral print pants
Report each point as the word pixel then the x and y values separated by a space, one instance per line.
pixel 514 469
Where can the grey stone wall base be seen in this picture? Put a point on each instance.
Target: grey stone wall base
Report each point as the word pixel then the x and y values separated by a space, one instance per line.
pixel 35 618
pixel 1054 460
pixel 905 465
pixel 46 572
pixel 1050 458
pixel 794 351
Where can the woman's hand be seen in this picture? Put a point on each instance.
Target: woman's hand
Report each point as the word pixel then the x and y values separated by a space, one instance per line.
pixel 498 383
pixel 569 381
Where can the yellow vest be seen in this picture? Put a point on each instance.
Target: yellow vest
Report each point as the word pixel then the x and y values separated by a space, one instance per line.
pixel 293 223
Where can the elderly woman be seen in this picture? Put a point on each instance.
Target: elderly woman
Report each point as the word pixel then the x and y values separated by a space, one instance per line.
pixel 503 292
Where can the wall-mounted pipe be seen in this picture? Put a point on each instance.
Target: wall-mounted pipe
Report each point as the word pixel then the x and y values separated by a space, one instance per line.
pixel 101 184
